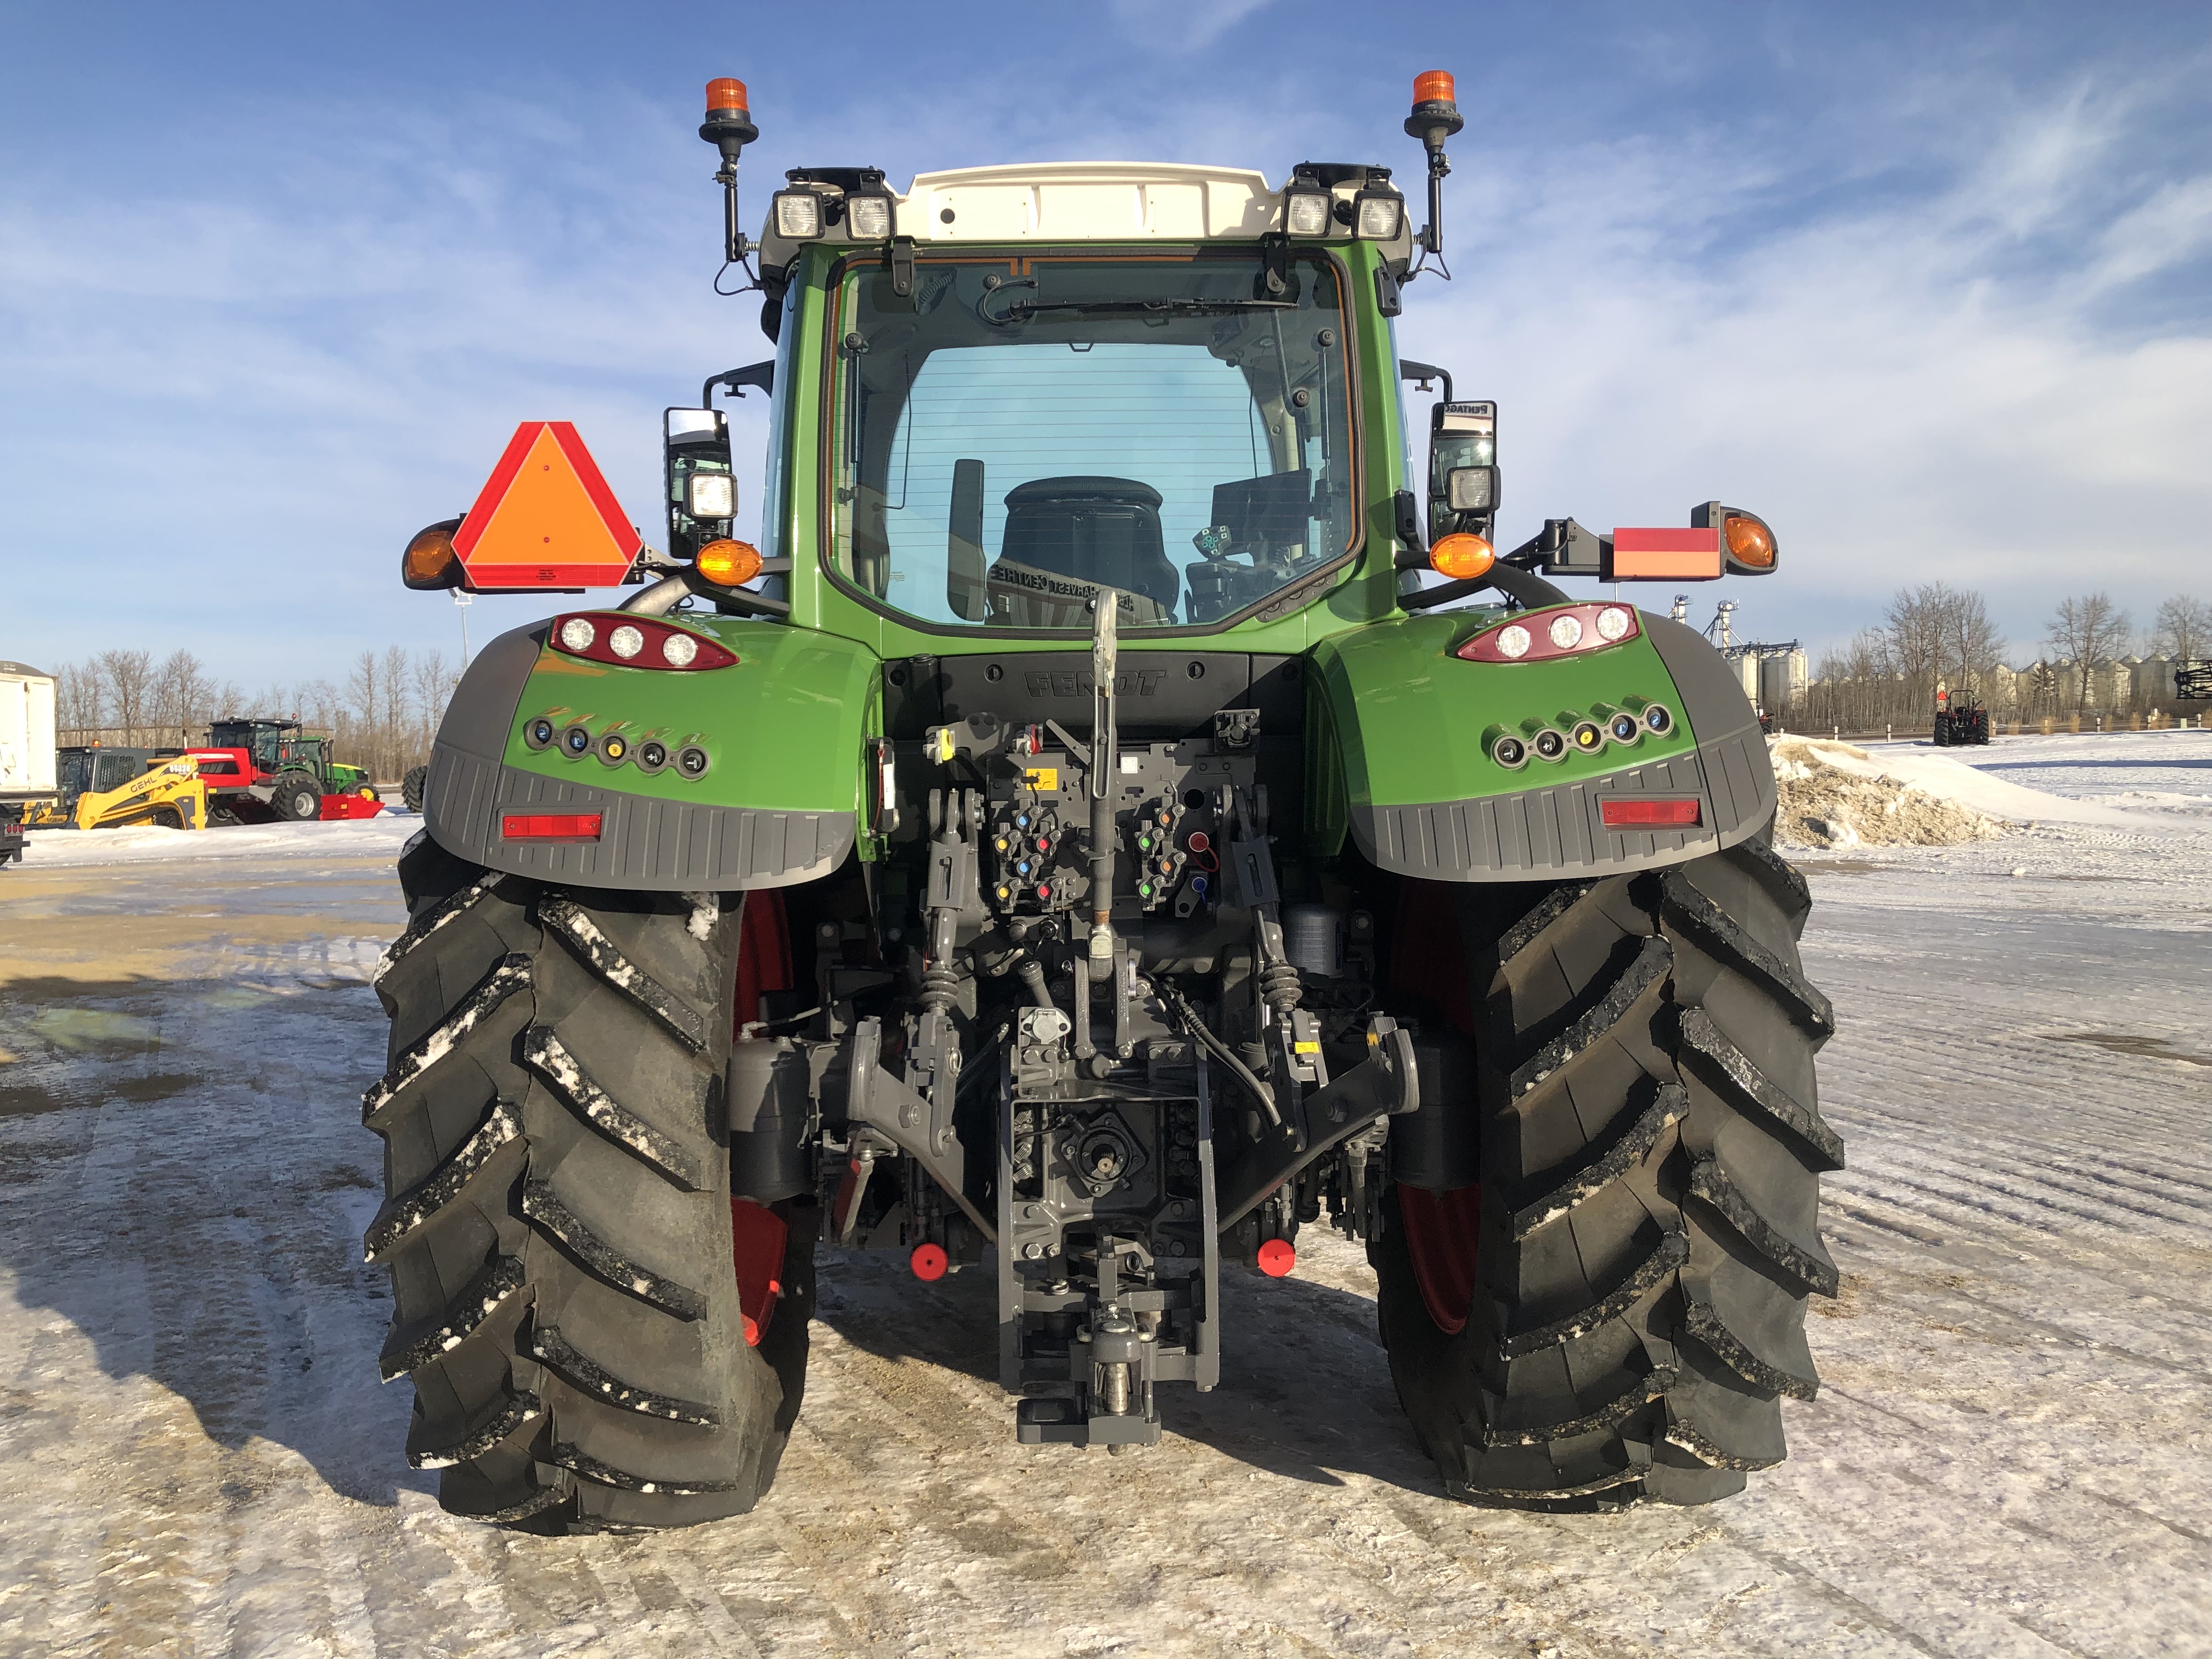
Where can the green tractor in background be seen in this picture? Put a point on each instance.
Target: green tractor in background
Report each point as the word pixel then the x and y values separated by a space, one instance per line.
pixel 1121 814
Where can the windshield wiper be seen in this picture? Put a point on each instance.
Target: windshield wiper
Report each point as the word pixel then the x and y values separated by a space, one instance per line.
pixel 1172 305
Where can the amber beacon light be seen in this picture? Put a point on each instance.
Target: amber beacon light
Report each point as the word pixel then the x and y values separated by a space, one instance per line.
pixel 729 563
pixel 1461 555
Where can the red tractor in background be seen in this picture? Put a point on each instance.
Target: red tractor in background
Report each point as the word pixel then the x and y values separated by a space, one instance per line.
pixel 269 771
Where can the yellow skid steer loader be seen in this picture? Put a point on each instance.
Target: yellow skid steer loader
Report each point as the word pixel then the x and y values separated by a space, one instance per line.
pixel 170 795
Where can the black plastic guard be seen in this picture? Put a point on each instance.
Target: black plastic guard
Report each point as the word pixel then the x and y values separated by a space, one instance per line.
pixel 1556 833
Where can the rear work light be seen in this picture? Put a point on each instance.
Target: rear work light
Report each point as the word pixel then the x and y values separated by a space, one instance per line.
pixel 1565 631
pixel 627 641
pixel 550 826
pixel 1625 813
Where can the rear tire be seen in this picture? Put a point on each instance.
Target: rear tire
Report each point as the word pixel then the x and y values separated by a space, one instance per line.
pixel 410 787
pixel 557 1225
pixel 294 798
pixel 1650 1185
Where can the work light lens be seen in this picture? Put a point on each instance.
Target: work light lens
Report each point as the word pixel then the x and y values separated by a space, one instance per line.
pixel 1306 212
pixel 1566 631
pixel 870 217
pixel 1378 217
pixel 711 494
pixel 626 641
pixel 679 649
pixel 1513 641
pixel 798 215
pixel 1613 623
pixel 577 634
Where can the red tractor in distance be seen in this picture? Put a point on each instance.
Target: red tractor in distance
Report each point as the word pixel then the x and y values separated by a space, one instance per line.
pixel 267 771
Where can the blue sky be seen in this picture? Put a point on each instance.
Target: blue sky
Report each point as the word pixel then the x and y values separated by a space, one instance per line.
pixel 1929 286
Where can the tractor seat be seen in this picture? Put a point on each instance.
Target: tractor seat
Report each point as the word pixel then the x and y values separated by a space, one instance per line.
pixel 1100 532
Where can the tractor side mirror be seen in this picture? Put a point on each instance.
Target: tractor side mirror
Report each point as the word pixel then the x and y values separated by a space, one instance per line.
pixel 701 486
pixel 963 561
pixel 1463 482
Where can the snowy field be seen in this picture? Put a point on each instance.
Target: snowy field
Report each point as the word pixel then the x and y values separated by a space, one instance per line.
pixel 2010 1454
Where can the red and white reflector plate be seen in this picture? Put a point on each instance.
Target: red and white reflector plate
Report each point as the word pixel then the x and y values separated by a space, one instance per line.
pixel 545 518
pixel 550 826
pixel 1664 555
pixel 1627 813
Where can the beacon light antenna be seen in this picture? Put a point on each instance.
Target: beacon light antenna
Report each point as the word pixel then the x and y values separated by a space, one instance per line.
pixel 729 127
pixel 1435 117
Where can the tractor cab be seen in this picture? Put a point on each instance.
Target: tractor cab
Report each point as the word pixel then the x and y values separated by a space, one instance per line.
pixel 265 742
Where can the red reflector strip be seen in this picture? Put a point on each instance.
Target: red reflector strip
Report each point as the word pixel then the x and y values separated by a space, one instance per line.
pixel 1664 554
pixel 1648 814
pixel 550 826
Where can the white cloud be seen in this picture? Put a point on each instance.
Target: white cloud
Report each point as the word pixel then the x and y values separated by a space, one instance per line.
pixel 1908 388
pixel 1181 25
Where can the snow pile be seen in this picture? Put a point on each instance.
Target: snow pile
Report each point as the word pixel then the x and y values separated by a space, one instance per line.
pixel 1834 795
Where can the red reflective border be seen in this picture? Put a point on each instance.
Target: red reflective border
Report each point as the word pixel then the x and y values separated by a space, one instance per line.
pixel 1483 647
pixel 1619 814
pixel 550 826
pixel 604 624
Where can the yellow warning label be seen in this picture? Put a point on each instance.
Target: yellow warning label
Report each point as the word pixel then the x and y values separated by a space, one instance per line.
pixel 1305 1048
pixel 1041 777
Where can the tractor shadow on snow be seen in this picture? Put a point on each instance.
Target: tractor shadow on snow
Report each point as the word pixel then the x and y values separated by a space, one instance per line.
pixel 1305 1392
pixel 185 1179
pixel 186 1183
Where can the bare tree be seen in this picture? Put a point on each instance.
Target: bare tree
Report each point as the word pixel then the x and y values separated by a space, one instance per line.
pixel 1968 645
pixel 1916 626
pixel 2093 631
pixel 129 675
pixel 2183 629
pixel 79 696
pixel 182 693
pixel 392 738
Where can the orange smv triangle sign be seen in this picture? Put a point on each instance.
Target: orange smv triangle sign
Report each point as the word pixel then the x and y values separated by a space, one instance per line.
pixel 545 518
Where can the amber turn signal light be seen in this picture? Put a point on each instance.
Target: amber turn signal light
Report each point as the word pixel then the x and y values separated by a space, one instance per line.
pixel 1461 555
pixel 728 563
pixel 1750 544
pixel 430 561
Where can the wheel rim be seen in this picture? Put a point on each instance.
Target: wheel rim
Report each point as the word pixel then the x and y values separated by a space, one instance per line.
pixel 1441 1231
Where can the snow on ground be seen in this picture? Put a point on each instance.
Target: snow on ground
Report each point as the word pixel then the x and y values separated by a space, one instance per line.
pixel 2008 1456
pixel 1842 794
pixel 385 833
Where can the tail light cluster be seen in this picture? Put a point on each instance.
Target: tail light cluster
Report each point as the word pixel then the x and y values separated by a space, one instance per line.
pixel 1567 631
pixel 1571 733
pixel 627 641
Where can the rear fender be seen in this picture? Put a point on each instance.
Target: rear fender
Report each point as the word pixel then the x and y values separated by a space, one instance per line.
pixel 783 729
pixel 1412 781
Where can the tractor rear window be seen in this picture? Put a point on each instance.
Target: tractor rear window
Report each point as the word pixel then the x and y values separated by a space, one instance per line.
pixel 1017 434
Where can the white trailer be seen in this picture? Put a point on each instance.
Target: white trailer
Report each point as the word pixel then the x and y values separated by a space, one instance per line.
pixel 27 749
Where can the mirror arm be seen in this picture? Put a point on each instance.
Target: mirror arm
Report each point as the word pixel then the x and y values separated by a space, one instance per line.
pixel 1424 372
pixel 737 379
pixel 663 596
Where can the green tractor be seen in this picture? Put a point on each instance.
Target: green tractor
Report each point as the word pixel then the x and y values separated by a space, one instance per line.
pixel 1122 814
